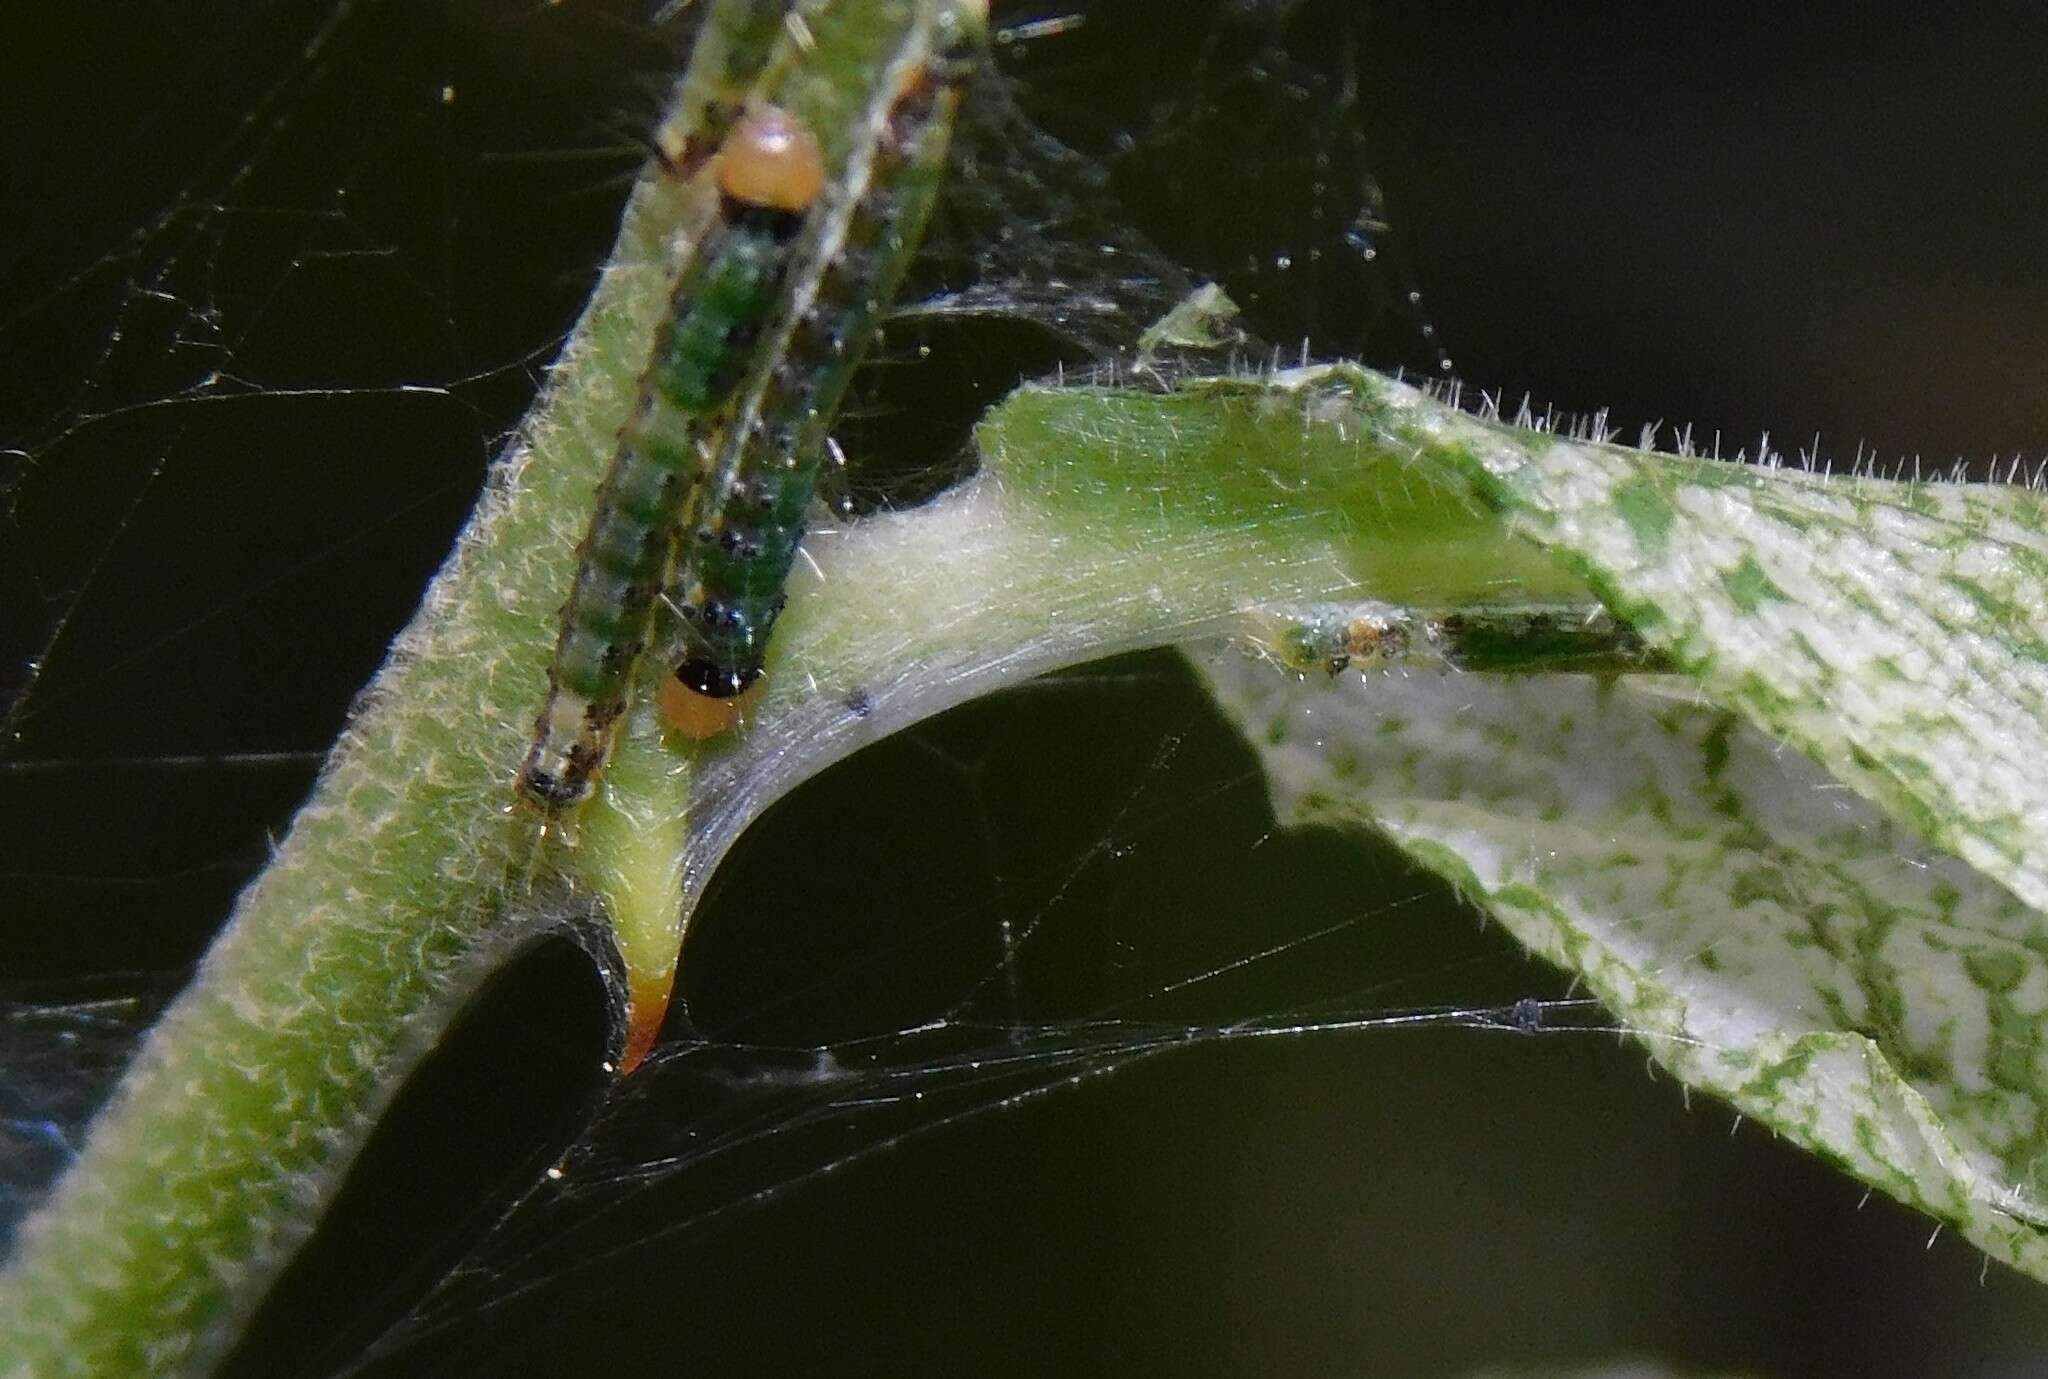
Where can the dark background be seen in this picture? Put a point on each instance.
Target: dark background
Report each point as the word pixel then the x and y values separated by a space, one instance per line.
pixel 269 301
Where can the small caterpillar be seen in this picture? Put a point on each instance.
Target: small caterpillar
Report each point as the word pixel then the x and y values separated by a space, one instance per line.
pixel 733 565
pixel 1509 638
pixel 768 172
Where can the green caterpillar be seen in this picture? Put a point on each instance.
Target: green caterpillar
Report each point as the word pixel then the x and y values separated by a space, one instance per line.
pixel 767 319
pixel 733 565
pixel 768 171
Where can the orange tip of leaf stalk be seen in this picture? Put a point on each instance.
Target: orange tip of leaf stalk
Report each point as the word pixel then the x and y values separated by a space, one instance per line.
pixel 646 1008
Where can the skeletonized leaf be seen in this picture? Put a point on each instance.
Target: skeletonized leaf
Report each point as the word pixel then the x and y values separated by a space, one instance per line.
pixel 1811 869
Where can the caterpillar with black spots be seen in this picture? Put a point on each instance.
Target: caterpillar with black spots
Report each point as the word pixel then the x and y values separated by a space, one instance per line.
pixel 768 173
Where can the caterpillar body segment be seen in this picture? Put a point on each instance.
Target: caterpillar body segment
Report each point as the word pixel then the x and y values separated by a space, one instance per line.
pixel 733 48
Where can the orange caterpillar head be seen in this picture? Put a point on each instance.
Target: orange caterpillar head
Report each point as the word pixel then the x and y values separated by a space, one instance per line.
pixel 700 717
pixel 770 160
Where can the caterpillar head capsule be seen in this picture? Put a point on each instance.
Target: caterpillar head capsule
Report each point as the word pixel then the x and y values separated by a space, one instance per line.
pixel 772 161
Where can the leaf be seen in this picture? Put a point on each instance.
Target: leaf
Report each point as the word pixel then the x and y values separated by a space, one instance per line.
pixel 1845 941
